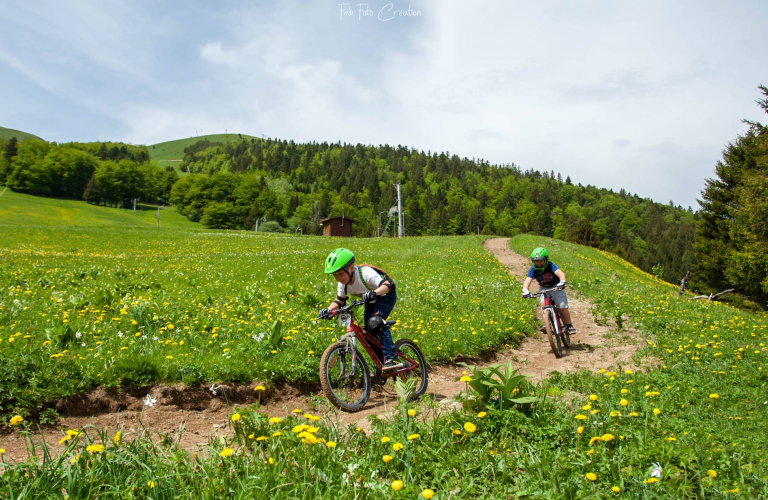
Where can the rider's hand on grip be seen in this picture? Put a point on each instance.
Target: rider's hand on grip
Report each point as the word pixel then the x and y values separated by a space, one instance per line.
pixel 370 297
pixel 526 294
pixel 561 285
pixel 325 314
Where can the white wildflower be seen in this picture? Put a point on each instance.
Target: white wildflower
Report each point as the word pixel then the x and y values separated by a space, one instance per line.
pixel 150 401
pixel 656 470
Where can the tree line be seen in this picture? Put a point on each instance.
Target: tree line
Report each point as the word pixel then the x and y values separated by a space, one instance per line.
pixel 99 172
pixel 731 240
pixel 295 185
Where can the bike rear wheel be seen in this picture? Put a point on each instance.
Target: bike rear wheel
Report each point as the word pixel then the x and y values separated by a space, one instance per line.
pixel 408 349
pixel 346 385
pixel 551 332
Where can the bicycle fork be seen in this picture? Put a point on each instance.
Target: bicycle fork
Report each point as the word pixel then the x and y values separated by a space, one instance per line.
pixel 351 348
pixel 555 321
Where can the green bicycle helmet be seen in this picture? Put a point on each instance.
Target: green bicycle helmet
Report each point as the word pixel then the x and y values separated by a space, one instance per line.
pixel 338 259
pixel 540 253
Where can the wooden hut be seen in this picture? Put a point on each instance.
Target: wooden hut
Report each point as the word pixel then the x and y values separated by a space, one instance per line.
pixel 337 226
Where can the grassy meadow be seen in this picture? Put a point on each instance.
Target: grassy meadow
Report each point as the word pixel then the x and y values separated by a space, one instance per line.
pixel 120 306
pixel 36 214
pixel 197 306
pixel 172 152
pixel 7 133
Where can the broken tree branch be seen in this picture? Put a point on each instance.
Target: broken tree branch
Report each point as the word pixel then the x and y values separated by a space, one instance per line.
pixel 713 295
pixel 683 282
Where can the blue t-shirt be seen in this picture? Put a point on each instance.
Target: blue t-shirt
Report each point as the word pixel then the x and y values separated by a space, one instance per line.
pixel 546 277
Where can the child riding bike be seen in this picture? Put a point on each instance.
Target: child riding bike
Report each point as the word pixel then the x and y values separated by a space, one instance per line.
pixel 548 275
pixel 375 287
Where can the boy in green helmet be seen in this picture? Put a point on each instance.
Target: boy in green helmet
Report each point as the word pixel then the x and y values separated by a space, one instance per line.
pixel 548 275
pixel 375 287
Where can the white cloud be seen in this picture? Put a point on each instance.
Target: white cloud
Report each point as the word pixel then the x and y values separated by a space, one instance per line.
pixel 636 95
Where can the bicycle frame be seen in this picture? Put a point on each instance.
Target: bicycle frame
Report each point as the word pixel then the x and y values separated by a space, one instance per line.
pixel 355 332
pixel 548 304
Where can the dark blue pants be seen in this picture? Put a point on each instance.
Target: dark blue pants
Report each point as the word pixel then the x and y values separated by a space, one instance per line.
pixel 383 307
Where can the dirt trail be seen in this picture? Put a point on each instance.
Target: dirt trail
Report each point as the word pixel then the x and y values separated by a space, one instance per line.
pixel 203 416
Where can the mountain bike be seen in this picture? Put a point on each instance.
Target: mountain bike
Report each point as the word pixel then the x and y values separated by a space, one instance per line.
pixel 557 334
pixel 344 373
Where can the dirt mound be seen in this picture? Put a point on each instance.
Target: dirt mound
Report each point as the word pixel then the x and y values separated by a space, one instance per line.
pixel 203 415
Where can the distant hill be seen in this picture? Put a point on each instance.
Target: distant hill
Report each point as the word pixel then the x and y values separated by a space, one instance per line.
pixel 172 152
pixel 17 209
pixel 7 133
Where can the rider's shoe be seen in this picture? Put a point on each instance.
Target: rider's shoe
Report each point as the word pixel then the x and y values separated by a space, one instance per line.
pixel 391 364
pixel 571 330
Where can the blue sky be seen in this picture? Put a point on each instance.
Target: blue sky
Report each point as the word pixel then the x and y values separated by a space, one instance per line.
pixel 634 95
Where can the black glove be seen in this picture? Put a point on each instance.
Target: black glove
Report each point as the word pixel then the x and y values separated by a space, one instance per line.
pixel 561 285
pixel 370 297
pixel 324 314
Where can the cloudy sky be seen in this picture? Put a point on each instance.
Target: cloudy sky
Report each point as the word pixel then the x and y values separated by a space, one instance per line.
pixel 618 94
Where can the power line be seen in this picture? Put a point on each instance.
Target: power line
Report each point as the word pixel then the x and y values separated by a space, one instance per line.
pixel 419 223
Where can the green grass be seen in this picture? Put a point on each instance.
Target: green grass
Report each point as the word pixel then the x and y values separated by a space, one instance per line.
pixel 7 133
pixel 197 306
pixel 172 152
pixel 700 416
pixel 23 210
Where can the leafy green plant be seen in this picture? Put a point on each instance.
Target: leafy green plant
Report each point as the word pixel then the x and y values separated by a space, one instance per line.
pixel 276 338
pixel 405 389
pixel 503 387
pixel 60 334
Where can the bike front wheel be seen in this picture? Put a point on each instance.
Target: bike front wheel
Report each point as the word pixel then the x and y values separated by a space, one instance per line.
pixel 564 335
pixel 551 332
pixel 414 365
pixel 345 378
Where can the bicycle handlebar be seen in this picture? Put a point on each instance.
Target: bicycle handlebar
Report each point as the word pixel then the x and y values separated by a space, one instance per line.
pixel 542 291
pixel 344 309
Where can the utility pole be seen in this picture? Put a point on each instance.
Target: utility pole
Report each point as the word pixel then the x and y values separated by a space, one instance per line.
pixel 399 213
pixel 264 219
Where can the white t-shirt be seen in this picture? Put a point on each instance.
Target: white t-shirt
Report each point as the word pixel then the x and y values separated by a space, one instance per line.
pixel 371 277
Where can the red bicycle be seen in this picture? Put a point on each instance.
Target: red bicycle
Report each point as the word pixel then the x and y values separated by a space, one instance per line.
pixel 557 334
pixel 344 373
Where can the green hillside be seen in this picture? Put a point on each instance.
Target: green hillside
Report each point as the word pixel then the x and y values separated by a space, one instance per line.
pixel 7 133
pixel 25 210
pixel 172 152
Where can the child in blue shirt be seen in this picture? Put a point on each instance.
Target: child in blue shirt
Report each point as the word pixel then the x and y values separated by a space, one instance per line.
pixel 548 275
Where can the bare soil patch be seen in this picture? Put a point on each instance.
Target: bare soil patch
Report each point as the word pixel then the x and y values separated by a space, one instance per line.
pixel 194 415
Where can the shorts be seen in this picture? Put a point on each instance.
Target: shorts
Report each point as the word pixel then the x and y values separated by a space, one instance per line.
pixel 558 297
